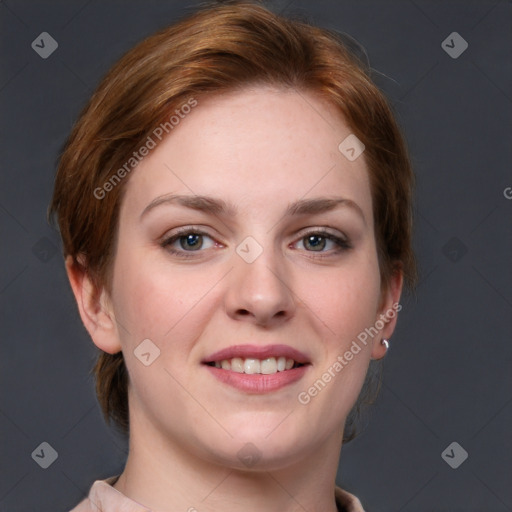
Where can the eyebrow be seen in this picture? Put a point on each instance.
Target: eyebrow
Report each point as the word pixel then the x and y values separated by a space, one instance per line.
pixel 220 207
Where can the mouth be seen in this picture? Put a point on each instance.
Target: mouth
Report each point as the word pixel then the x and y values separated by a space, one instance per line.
pixel 257 369
pixel 252 366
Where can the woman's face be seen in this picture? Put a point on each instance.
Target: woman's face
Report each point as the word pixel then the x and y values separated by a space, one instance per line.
pixel 244 238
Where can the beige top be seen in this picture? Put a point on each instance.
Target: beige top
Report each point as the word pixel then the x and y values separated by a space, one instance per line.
pixel 105 498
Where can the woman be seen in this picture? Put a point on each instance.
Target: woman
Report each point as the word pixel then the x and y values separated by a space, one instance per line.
pixel 235 209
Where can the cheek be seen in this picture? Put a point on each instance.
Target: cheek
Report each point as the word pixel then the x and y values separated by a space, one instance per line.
pixel 345 303
pixel 156 300
pixel 143 304
pixel 345 299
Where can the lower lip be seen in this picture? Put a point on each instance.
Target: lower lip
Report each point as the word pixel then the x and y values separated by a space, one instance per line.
pixel 258 383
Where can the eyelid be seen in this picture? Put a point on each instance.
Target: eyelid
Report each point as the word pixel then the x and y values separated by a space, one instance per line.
pixel 183 230
pixel 338 237
pixel 170 238
pixel 324 230
pixel 341 240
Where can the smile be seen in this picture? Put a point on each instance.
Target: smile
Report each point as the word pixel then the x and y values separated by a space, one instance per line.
pixel 257 369
pixel 252 366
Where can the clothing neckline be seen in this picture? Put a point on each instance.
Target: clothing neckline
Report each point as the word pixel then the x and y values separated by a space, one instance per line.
pixel 103 497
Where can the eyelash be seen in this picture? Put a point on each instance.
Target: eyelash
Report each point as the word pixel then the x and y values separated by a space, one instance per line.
pixel 167 242
pixel 342 243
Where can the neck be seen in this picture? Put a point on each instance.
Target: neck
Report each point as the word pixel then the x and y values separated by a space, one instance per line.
pixel 163 475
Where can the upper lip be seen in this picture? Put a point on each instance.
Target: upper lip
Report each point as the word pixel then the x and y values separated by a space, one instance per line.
pixel 257 352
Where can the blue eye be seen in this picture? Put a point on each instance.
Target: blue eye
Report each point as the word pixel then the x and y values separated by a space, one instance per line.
pixel 318 241
pixel 189 241
pixel 192 241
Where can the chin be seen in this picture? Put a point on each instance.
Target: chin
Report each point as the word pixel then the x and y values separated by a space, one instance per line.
pixel 256 447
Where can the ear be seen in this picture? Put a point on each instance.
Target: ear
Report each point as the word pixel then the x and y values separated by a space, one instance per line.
pixel 388 313
pixel 95 308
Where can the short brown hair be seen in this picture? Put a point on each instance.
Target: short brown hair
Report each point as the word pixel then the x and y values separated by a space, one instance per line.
pixel 219 48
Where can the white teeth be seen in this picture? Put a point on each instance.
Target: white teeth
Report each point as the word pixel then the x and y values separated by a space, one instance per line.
pixel 253 366
pixel 268 366
pixel 237 365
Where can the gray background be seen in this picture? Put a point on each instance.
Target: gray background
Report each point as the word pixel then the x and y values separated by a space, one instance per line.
pixel 448 373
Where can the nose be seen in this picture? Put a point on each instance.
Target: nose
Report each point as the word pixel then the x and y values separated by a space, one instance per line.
pixel 260 292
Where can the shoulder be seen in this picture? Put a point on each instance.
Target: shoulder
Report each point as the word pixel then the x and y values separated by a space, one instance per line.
pixel 347 502
pixel 98 495
pixel 84 506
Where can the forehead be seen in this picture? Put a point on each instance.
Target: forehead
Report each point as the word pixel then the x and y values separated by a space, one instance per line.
pixel 260 148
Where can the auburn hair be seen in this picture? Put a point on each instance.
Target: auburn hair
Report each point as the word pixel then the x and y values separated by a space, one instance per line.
pixel 221 47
